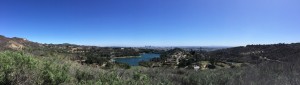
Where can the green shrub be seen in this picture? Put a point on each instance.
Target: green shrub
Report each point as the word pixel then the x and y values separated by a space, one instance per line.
pixel 16 67
pixel 83 76
pixel 21 68
pixel 54 74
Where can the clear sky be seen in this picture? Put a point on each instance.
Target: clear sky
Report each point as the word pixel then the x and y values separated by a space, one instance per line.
pixel 152 22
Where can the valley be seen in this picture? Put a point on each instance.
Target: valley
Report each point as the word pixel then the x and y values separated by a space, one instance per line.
pixel 26 62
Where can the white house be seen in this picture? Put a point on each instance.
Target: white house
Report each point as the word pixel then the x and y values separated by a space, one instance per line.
pixel 196 67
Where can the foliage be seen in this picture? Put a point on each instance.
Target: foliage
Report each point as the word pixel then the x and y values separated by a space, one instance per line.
pixel 15 66
pixel 54 74
pixel 21 68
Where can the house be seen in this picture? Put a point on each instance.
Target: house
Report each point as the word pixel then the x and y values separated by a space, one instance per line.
pixel 196 67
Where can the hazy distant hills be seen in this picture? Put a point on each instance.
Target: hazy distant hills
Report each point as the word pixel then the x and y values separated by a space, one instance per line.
pixel 21 43
pixel 187 48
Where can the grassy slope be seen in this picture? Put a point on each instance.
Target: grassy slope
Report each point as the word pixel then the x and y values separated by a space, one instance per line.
pixel 22 68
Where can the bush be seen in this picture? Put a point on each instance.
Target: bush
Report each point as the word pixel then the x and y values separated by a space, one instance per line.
pixel 83 76
pixel 20 68
pixel 15 68
pixel 54 74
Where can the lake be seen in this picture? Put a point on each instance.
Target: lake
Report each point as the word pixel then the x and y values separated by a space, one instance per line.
pixel 135 60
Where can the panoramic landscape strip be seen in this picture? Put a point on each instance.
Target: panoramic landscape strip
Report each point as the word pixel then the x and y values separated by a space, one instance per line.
pixel 26 62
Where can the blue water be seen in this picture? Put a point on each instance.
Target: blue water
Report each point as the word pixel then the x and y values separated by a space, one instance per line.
pixel 135 61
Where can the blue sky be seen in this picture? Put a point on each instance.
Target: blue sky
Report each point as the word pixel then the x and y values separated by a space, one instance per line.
pixel 152 22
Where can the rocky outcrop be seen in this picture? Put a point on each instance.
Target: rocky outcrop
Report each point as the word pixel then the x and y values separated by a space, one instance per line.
pixel 14 45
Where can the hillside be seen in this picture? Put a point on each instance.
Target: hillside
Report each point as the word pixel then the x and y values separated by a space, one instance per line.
pixel 99 56
pixel 16 43
pixel 229 57
pixel 23 62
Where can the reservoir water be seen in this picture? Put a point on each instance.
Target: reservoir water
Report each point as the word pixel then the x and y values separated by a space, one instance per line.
pixel 135 60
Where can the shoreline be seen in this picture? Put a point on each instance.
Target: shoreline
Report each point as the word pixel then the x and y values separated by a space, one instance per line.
pixel 128 57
